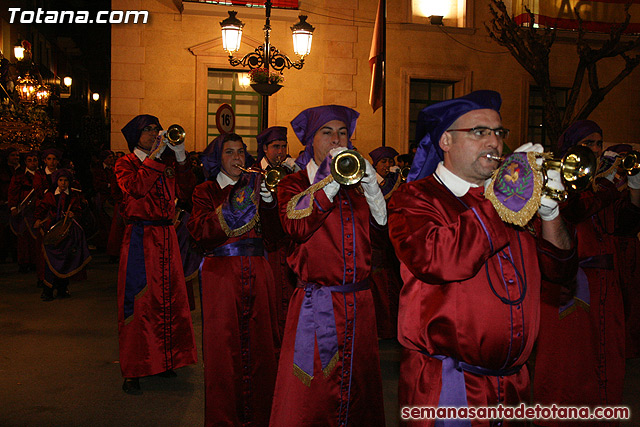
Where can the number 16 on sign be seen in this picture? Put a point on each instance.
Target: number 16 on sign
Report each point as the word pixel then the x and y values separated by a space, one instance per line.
pixel 225 119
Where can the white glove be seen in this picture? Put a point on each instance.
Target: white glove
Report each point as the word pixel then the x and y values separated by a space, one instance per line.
pixel 331 189
pixel 335 151
pixel 633 181
pixel 529 146
pixel 394 169
pixel 373 194
pixel 179 150
pixel 612 156
pixel 290 163
pixel 158 147
pixel 266 195
pixel 549 209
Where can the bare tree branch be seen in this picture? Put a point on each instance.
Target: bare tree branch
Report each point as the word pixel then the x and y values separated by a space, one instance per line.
pixel 531 47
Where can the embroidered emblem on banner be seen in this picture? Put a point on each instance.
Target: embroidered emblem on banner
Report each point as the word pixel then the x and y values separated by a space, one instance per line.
pixel 169 172
pixel 516 188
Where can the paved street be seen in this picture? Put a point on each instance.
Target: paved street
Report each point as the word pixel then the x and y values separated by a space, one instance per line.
pixel 59 362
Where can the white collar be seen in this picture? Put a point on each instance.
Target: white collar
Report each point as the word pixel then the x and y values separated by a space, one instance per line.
pixel 58 191
pixel 105 166
pixel 379 178
pixel 312 169
pixel 27 170
pixel 140 154
pixel 47 170
pixel 264 163
pixel 453 182
pixel 223 180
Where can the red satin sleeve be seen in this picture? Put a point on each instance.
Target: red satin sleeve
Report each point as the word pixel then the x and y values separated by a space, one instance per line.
pixel 451 234
pixel 137 181
pixel 301 229
pixel 204 224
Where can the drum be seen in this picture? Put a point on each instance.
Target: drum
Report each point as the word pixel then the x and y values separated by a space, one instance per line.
pixel 57 233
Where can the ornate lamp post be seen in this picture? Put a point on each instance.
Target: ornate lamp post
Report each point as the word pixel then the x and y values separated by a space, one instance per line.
pixel 266 56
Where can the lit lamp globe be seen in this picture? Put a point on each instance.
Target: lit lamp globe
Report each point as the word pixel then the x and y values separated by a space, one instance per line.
pixel 302 34
pixel 26 88
pixel 42 95
pixel 18 52
pixel 231 33
pixel 95 96
pixel 67 81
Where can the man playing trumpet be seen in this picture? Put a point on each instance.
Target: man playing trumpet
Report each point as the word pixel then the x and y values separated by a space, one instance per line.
pixel 272 153
pixel 232 211
pixel 469 307
pixel 154 321
pixel 329 370
pixel 586 325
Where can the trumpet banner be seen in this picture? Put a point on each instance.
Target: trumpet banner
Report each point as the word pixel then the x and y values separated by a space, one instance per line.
pixel 516 188
pixel 597 15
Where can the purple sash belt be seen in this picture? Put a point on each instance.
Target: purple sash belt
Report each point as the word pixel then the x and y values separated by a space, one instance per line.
pixel 453 393
pixel 244 247
pixel 603 262
pixel 155 222
pixel 317 322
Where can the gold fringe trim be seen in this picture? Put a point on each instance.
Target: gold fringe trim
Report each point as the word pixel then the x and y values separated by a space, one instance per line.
pixel 525 214
pixel 395 187
pixel 138 296
pixel 302 375
pixel 332 364
pixel 191 276
pixel 71 273
pixel 576 302
pixel 238 231
pixel 292 212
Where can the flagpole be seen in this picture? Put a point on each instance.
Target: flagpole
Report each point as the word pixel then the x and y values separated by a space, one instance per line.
pixel 384 72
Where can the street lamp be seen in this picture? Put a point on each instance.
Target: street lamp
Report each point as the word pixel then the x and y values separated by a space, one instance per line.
pixel 95 96
pixel 67 81
pixel 266 56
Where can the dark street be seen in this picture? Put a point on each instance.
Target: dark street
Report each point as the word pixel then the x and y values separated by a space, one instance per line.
pixel 59 362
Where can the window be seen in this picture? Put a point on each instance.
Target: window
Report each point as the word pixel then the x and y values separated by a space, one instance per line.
pixel 228 87
pixel 453 12
pixel 536 128
pixel 278 4
pixel 422 94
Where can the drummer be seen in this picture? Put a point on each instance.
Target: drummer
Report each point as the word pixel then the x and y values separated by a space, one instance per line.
pixel 67 257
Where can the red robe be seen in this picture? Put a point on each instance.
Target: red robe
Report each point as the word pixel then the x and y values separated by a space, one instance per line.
pixel 101 185
pixel 116 231
pixel 239 327
pixel 28 240
pixel 448 247
pixel 324 254
pixel 581 357
pixel 385 276
pixel 158 334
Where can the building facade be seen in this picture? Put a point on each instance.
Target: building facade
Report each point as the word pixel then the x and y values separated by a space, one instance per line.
pixel 174 67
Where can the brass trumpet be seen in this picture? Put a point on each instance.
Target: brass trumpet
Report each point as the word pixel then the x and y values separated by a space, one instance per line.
pixel 631 162
pixel 404 173
pixel 175 135
pixel 577 169
pixel 272 177
pixel 348 167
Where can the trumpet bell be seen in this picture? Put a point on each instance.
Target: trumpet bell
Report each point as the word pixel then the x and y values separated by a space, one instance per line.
pixel 273 177
pixel 175 134
pixel 348 167
pixel 577 169
pixel 404 173
pixel 631 163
